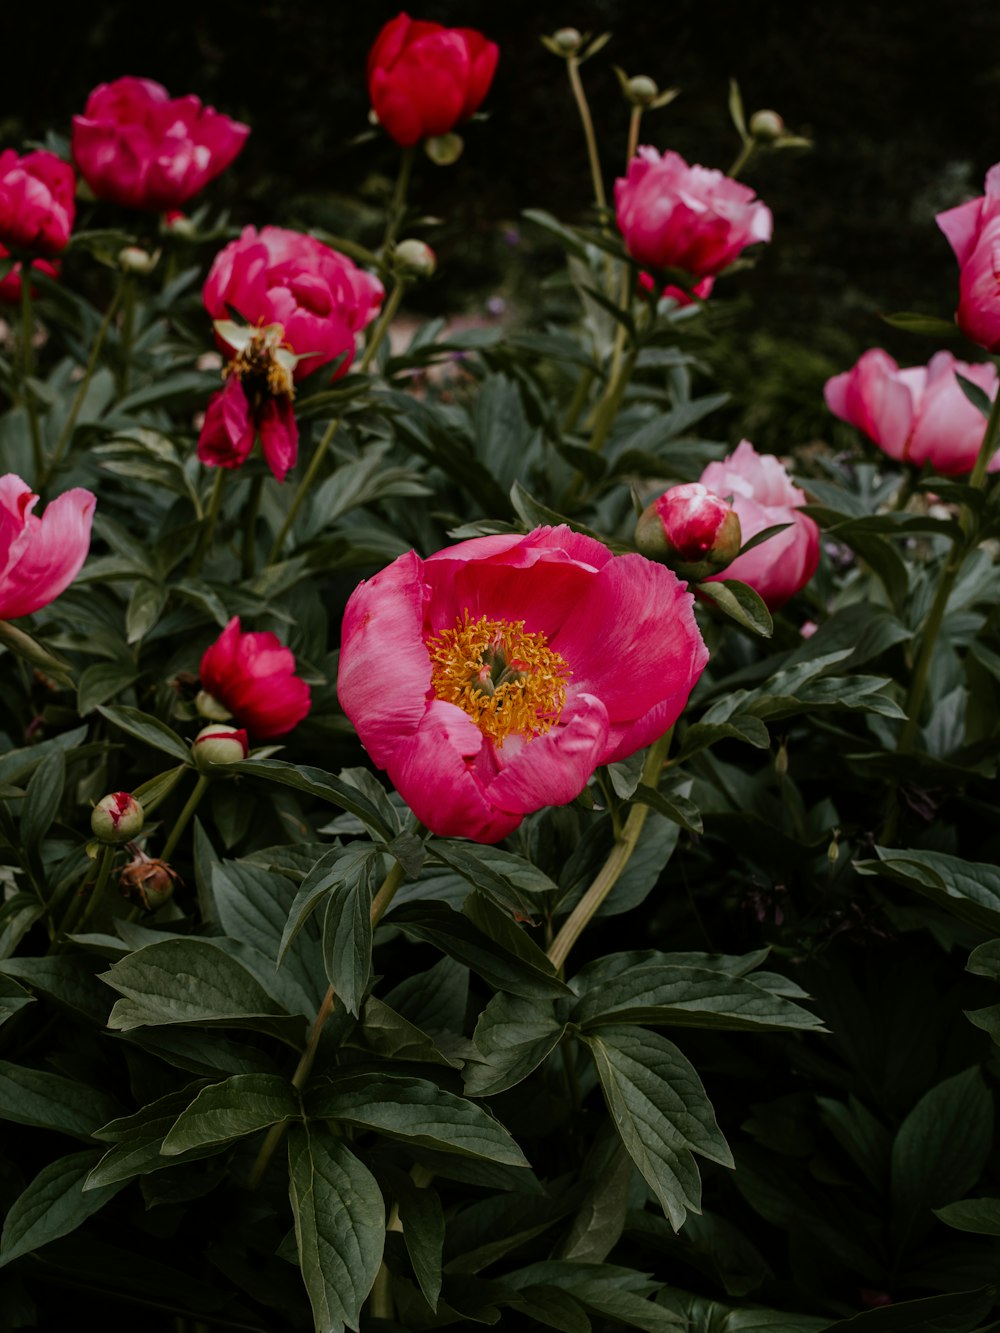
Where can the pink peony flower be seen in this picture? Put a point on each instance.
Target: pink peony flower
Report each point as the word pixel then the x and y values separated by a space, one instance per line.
pixel 39 557
pixel 973 232
pixel 691 529
pixel 252 677
pixel 137 146
pixel 672 215
pixel 423 78
pixel 10 284
pixel 763 495
pixel 493 678
pixel 917 415
pixel 37 202
pixel 303 304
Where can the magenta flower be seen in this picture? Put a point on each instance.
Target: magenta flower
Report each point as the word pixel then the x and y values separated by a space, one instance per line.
pixel 37 202
pixel 251 677
pixel 137 146
pixel 491 679
pixel 672 215
pixel 39 557
pixel 423 78
pixel 916 415
pixel 691 529
pixel 763 495
pixel 973 232
pixel 303 303
pixel 10 284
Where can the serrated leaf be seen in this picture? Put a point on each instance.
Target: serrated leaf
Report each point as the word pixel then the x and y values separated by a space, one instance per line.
pixel 149 730
pixel 230 1110
pixel 339 1226
pixel 660 1109
pixel 513 1037
pixel 414 1110
pixel 53 1205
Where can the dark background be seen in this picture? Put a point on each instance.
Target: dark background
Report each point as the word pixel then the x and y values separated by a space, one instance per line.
pixel 900 99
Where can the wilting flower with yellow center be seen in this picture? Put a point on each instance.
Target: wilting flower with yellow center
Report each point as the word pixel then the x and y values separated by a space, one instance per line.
pixel 491 679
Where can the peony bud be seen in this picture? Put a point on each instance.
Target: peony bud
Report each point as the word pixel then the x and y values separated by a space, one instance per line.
pixel 148 882
pixel 218 744
pixel 117 817
pixel 766 126
pixel 444 149
pixel 179 224
pixel 414 259
pixel 641 90
pixel 134 259
pixel 568 40
pixel 692 530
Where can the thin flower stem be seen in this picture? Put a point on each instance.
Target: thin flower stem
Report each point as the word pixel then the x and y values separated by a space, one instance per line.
pixel 127 330
pixel 27 370
pixel 742 158
pixel 208 524
pixel 607 408
pixel 316 462
pixel 303 1069
pixel 67 431
pixel 633 134
pixel 618 858
pixel 579 400
pixel 397 206
pixel 576 83
pixel 987 448
pixel 185 815
pixel 97 893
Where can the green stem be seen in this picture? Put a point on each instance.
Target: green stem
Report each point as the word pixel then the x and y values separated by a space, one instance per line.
pixel 618 858
pixel 316 462
pixel 987 447
pixel 397 205
pixel 208 523
pixel 303 1069
pixel 27 370
pixel 611 401
pixel 579 400
pixel 573 69
pixel 742 158
pixel 67 431
pixel 250 513
pixel 127 330
pixel 633 134
pixel 96 893
pixel 183 818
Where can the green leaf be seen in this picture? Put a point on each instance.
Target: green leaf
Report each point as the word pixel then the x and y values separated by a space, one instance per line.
pixel 501 875
pixel 741 603
pixel 422 1216
pixel 940 1149
pixel 42 797
pixel 348 931
pixel 68 979
pixel 51 1101
pixel 390 1034
pixel 512 963
pixel 607 1289
pixel 533 512
pixel 322 785
pixel 913 322
pixel 676 996
pixel 968 889
pixel 149 729
pixel 958 1312
pixel 339 1226
pixel 12 998
pixel 230 1110
pixel 103 681
pixel 512 1038
pixel 53 1205
pixel 607 1176
pixel 552 1308
pixel 678 809
pixel 194 981
pixel 136 1141
pixel 660 1109
pixel 979 1215
pixel 17 915
pixel 414 1110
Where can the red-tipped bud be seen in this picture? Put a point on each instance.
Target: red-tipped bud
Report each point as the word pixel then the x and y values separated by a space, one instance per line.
pixel 692 530
pixel 219 744
pixel 117 817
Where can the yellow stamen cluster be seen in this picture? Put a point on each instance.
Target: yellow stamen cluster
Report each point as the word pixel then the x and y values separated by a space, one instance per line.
pixel 259 364
pixel 505 677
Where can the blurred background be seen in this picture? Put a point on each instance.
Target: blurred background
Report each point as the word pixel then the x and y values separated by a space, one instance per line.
pixel 900 100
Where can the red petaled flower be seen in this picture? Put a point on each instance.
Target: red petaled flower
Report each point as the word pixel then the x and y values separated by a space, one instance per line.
pixel 37 202
pixel 423 79
pixel 252 677
pixel 493 678
pixel 137 146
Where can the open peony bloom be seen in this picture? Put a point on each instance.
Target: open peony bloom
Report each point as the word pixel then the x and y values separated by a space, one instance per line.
pixel 251 677
pixel 40 557
pixel 137 146
pixel 917 415
pixel 493 678
pixel 672 215
pixel 37 202
pixel 763 495
pixel 973 232
pixel 423 79
pixel 303 303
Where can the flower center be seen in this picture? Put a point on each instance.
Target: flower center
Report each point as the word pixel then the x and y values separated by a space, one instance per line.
pixel 505 677
pixel 264 364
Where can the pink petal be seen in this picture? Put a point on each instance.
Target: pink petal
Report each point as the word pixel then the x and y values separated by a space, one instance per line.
pixel 279 435
pixel 46 555
pixel 553 768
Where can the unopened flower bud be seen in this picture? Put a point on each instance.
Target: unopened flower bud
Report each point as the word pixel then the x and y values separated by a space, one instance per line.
pixel 766 126
pixel 415 259
pixel 568 40
pixel 219 744
pixel 148 882
pixel 691 529
pixel 641 90
pixel 444 149
pixel 134 259
pixel 179 224
pixel 117 817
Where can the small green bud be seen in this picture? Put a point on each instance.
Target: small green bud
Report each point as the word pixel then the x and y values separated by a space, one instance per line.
pixel 218 744
pixel 209 707
pixel 134 259
pixel 414 258
pixel 766 126
pixel 641 90
pixel 117 817
pixel 568 40
pixel 444 149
